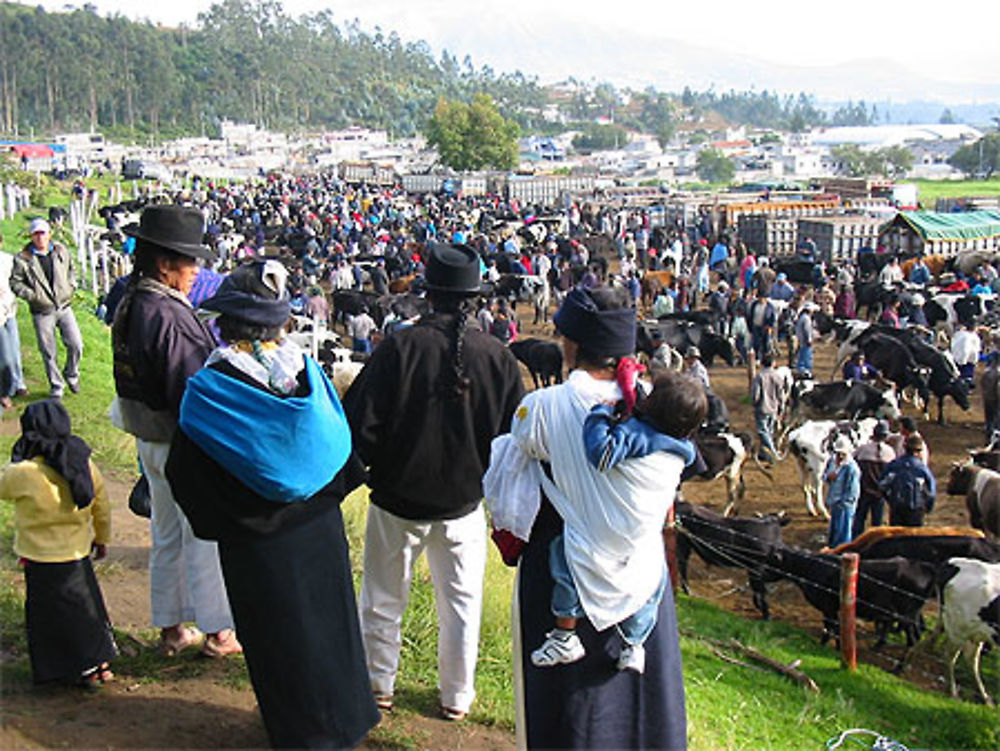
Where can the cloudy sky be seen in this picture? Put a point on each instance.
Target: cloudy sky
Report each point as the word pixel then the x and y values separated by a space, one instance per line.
pixel 727 43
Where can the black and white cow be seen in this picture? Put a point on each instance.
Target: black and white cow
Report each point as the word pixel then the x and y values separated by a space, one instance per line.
pixel 893 358
pixel 843 399
pixel 517 288
pixel 728 541
pixel 543 359
pixel 811 444
pixel 723 455
pixel 970 613
pixel 681 335
pixel 981 488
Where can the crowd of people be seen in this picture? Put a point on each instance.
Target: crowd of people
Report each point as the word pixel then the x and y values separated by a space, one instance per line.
pixel 248 451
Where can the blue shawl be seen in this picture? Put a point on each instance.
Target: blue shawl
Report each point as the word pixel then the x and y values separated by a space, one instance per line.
pixel 283 449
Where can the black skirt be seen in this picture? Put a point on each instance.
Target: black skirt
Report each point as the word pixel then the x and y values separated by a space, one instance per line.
pixel 293 602
pixel 590 703
pixel 67 623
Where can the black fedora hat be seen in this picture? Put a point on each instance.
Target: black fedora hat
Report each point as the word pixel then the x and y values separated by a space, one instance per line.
pixel 176 228
pixel 453 268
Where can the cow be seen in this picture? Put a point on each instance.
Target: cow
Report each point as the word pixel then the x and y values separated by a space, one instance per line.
pixel 847 399
pixel 949 310
pixel 651 284
pixel 981 488
pixel 811 444
pixel 401 284
pixel 797 271
pixel 684 334
pixel 929 544
pixel 543 359
pixel 517 288
pixel 970 613
pixel 723 455
pixel 349 302
pixel 893 358
pixel 891 592
pixel 728 541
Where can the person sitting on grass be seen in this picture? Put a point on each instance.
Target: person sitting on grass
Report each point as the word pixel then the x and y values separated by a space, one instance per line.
pixel 662 422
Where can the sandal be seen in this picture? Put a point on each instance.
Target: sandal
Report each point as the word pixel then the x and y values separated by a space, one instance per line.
pixel 383 701
pixel 173 646
pixel 95 677
pixel 221 644
pixel 452 715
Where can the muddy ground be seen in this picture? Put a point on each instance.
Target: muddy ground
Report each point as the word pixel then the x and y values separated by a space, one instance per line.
pixel 197 705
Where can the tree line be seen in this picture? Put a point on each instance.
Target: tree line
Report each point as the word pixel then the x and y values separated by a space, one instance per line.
pixel 250 61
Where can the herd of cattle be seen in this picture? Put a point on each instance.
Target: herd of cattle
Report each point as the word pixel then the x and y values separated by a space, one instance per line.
pixel 901 569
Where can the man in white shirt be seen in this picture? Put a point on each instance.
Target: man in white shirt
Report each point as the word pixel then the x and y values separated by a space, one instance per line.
pixel 965 348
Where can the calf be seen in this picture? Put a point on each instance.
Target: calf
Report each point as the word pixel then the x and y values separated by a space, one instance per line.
pixel 811 443
pixel 981 488
pixel 970 613
pixel 723 455
pixel 891 593
pixel 847 399
pixel 728 541
pixel 543 359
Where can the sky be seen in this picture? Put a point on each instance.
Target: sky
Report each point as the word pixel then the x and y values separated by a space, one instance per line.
pixel 562 36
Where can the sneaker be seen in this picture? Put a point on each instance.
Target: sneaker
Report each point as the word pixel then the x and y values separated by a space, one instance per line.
pixel 632 657
pixel 560 647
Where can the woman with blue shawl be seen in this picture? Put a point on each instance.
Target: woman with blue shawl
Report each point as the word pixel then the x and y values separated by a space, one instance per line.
pixel 261 463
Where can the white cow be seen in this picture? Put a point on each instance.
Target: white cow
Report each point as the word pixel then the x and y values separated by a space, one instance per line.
pixel 810 444
pixel 970 613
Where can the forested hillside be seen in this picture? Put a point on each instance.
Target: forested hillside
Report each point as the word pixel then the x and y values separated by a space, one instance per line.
pixel 249 61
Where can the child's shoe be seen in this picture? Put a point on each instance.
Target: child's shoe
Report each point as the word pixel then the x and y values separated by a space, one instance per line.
pixel 632 657
pixel 560 647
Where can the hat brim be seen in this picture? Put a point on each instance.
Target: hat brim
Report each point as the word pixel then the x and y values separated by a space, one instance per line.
pixel 482 289
pixel 185 249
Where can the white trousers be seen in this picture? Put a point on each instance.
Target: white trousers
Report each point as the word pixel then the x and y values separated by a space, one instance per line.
pixel 456 556
pixel 185 578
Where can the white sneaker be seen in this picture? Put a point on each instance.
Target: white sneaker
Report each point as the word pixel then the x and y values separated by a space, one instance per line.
pixel 632 657
pixel 559 647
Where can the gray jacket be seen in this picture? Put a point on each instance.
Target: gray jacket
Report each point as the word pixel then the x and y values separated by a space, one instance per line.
pixel 29 282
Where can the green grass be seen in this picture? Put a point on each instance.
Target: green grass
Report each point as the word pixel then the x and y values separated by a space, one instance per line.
pixel 928 191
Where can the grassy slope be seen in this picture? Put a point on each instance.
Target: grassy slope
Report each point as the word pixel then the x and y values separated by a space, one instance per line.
pixel 729 706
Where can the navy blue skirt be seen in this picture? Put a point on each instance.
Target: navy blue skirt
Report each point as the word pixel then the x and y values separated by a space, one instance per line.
pixel 590 703
pixel 293 602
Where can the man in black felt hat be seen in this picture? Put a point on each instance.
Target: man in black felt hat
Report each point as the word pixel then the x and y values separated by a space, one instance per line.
pixel 423 413
pixel 158 343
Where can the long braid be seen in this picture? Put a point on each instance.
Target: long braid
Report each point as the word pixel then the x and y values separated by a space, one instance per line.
pixel 461 383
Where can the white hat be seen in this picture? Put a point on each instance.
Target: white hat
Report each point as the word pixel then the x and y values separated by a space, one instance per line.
pixel 39 225
pixel 843 445
pixel 917 299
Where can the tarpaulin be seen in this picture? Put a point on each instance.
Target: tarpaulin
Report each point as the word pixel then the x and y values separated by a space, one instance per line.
pixel 940 225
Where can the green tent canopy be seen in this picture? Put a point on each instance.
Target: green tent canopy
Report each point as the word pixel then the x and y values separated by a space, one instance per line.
pixel 940 225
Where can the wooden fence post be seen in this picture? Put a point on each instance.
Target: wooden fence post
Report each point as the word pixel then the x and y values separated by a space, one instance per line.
pixel 670 543
pixel 850 562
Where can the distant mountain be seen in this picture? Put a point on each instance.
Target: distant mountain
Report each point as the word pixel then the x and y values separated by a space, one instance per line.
pixel 552 52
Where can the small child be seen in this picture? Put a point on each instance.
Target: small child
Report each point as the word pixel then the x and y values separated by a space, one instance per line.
pixel 662 422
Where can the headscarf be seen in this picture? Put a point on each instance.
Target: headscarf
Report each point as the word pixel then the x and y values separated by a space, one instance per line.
pixel 605 333
pixel 45 432
pixel 254 293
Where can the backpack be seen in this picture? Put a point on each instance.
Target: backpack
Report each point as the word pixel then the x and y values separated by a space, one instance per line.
pixel 906 489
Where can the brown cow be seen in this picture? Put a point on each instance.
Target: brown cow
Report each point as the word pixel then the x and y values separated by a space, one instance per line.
pixel 652 283
pixel 876 534
pixel 981 488
pixel 936 264
pixel 401 284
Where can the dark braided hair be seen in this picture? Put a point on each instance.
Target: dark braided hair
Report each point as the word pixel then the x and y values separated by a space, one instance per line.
pixel 454 384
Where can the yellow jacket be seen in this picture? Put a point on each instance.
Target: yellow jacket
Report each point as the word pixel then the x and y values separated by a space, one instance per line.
pixel 48 526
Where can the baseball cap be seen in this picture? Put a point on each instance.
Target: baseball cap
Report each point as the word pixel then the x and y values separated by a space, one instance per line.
pixel 39 225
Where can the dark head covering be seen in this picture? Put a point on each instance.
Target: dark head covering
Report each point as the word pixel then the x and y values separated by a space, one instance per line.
pixel 45 432
pixel 176 228
pixel 605 333
pixel 453 268
pixel 255 293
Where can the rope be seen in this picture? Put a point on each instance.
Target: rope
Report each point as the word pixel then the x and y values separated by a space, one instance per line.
pixel 877 743
pixel 729 553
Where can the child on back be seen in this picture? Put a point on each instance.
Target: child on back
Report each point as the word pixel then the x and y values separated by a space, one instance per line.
pixel 663 421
